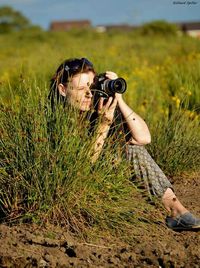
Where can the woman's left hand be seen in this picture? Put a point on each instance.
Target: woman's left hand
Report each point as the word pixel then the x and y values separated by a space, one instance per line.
pixel 111 75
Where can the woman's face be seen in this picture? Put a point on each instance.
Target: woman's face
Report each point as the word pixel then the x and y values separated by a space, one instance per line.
pixel 78 91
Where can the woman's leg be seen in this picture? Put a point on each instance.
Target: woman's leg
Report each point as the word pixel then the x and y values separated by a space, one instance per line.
pixel 172 204
pixel 157 183
pixel 146 170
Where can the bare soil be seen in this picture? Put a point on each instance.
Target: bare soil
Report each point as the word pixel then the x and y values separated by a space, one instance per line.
pixel 29 245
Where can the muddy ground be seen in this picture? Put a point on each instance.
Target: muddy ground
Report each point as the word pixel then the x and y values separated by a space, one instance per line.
pixel 157 246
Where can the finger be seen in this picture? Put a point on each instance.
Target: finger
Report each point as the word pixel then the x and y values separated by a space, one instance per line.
pixel 100 104
pixel 110 72
pixel 110 99
pixel 111 75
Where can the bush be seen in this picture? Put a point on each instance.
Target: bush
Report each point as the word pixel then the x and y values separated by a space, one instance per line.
pixel 159 28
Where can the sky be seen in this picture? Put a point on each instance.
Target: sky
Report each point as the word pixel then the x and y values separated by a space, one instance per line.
pixel 106 12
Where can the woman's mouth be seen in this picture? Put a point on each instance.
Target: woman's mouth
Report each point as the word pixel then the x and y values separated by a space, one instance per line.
pixel 88 102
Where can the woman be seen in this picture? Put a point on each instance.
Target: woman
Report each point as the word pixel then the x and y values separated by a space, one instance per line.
pixel 71 85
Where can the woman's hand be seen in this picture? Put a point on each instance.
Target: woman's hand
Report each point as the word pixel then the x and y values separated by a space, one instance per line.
pixel 111 75
pixel 107 110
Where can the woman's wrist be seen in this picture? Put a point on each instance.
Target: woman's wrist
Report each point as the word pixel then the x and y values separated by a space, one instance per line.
pixel 119 97
pixel 105 122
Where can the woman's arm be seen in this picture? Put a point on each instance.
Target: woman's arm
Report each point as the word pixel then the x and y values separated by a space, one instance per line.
pixel 137 126
pixel 106 113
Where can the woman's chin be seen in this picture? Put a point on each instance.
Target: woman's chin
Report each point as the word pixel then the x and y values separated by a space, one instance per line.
pixel 85 107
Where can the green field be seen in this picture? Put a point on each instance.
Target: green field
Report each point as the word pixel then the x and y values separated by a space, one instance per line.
pixel 40 182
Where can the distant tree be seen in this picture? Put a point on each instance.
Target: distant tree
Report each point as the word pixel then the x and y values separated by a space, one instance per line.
pixel 159 27
pixel 11 20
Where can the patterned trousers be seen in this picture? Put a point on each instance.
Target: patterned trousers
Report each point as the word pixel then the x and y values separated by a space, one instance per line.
pixel 147 171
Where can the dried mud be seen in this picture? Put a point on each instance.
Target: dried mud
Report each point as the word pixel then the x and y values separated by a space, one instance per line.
pixel 33 246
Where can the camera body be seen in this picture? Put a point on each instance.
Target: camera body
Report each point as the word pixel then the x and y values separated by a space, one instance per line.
pixel 104 87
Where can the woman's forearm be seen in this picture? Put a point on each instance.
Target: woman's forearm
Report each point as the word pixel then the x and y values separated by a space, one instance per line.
pixel 106 112
pixel 137 126
pixel 102 133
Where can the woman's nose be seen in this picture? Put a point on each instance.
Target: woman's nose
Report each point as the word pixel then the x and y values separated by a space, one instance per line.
pixel 89 93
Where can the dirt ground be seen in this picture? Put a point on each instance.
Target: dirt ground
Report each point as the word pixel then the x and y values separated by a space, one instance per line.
pixel 33 246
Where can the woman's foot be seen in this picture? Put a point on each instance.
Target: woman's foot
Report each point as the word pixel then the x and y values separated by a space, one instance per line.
pixel 180 218
pixel 186 221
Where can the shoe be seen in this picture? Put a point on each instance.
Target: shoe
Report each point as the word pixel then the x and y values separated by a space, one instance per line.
pixel 187 221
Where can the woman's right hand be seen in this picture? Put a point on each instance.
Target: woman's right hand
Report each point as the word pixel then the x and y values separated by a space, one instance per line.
pixel 107 110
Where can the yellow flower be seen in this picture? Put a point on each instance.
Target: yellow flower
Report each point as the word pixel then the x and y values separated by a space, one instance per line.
pixel 177 101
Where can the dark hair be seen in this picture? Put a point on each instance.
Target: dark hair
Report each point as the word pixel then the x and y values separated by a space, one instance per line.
pixel 66 70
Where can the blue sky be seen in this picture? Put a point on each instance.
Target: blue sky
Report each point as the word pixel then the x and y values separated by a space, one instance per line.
pixel 103 12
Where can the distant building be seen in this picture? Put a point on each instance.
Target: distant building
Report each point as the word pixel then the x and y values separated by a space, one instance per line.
pixel 100 29
pixel 190 28
pixel 69 25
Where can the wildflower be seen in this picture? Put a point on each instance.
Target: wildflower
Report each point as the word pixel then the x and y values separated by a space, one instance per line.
pixel 177 101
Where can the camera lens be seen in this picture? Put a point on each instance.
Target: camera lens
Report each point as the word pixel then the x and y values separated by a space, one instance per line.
pixel 116 86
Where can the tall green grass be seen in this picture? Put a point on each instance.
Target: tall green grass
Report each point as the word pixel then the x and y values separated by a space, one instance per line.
pixel 47 174
pixel 176 144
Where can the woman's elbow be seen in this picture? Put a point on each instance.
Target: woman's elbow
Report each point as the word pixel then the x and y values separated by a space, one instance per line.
pixel 144 140
pixel 141 140
pixel 148 140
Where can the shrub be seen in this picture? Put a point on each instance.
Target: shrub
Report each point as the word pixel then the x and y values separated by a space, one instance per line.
pixel 159 28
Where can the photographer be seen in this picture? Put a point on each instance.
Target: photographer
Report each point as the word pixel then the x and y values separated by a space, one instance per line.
pixel 74 85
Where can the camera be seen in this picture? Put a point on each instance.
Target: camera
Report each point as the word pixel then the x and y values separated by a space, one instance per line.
pixel 104 87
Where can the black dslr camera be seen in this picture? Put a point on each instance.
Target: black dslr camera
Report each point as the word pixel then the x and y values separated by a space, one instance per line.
pixel 104 87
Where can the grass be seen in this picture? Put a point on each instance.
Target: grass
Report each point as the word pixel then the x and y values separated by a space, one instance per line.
pixel 43 181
